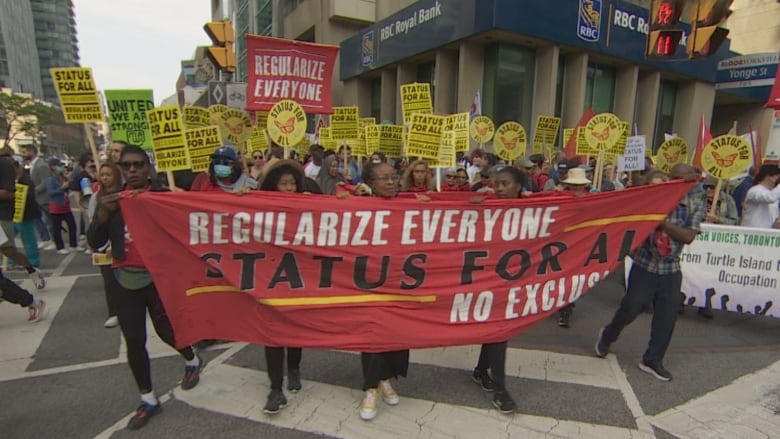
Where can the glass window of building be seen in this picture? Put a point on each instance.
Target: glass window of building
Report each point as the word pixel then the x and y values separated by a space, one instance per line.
pixel 600 88
pixel 241 28
pixel 425 73
pixel 263 17
pixel 664 118
pixel 559 86
pixel 376 98
pixel 508 85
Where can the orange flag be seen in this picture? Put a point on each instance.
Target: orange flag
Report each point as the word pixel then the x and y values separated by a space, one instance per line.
pixel 704 138
pixel 571 148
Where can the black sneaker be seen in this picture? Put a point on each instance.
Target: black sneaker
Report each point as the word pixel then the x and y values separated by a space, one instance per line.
pixel 276 402
pixel 656 369
pixel 565 317
pixel 504 403
pixel 602 346
pixel 483 379
pixel 142 415
pixel 192 374
pixel 294 380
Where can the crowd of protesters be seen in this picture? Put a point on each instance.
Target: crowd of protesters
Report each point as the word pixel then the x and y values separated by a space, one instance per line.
pixel 131 293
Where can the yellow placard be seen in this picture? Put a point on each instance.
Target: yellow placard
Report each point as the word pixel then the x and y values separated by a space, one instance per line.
pixel 425 135
pixel 235 126
pixel 344 123
pixel 326 141
pixel 286 123
pixel 567 132
pixel 482 129
pixel 257 141
pixel 416 98
pixel 670 153
pixel 620 146
pixel 726 157
pixel 196 117
pixel 20 201
pixel 546 132
pixel 446 152
pixel 371 137
pixel 391 140
pixel 261 118
pixel 201 143
pixel 459 124
pixel 77 93
pixel 582 145
pixel 170 147
pixel 603 131
pixel 215 114
pixel 363 122
pixel 510 141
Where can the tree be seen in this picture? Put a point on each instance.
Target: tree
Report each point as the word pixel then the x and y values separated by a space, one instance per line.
pixel 22 114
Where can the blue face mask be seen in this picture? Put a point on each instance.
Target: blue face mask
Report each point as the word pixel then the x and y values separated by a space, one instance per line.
pixel 60 169
pixel 223 171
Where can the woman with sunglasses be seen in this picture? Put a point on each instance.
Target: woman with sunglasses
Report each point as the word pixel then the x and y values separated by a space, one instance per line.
pixel 224 174
pixel 725 208
pixel 380 367
pixel 137 294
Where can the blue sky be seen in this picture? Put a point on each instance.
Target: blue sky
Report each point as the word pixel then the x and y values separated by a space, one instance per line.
pixel 139 43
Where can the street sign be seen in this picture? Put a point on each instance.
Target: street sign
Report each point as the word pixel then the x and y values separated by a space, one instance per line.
pixel 236 95
pixel 218 93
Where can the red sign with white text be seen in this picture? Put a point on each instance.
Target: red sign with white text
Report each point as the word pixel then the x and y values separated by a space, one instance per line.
pixel 372 274
pixel 279 69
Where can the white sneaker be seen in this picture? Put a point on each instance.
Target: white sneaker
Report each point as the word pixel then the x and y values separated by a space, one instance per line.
pixel 389 395
pixel 37 312
pixel 368 406
pixel 111 322
pixel 77 249
pixel 38 279
pixel 62 251
pixel 50 246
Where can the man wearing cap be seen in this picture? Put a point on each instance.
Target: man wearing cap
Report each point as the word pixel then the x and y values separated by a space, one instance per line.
pixel 554 184
pixel 526 167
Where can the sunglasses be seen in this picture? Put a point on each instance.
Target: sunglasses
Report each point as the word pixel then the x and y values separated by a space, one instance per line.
pixel 128 165
pixel 708 186
pixel 258 157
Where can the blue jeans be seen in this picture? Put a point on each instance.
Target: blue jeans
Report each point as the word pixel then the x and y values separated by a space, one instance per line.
pixel 26 229
pixel 43 224
pixel 644 288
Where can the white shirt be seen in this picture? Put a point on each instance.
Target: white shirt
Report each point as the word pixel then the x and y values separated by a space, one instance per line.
pixel 311 170
pixel 760 208
pixel 473 171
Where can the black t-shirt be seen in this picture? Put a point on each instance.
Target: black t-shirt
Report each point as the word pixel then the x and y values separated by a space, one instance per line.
pixel 7 182
pixel 31 210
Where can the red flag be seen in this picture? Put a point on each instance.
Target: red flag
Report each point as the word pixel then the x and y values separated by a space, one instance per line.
pixel 571 148
pixel 756 147
pixel 703 139
pixel 774 95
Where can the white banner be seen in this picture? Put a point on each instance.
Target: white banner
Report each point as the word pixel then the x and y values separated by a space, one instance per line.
pixel 734 268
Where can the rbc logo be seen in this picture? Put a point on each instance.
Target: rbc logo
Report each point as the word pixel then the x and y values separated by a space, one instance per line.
pixel 589 20
pixel 367 49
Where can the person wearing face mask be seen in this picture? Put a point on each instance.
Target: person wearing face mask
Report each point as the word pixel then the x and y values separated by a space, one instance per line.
pixel 59 207
pixel 224 174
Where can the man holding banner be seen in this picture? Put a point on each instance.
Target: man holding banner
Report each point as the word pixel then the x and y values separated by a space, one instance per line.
pixel 656 279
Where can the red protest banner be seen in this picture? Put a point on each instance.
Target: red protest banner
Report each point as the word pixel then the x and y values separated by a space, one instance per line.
pixel 279 69
pixel 372 274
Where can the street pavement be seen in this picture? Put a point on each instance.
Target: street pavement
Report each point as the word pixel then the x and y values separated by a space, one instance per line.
pixel 66 377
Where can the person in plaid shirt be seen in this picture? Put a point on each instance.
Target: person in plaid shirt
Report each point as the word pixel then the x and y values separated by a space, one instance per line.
pixel 656 278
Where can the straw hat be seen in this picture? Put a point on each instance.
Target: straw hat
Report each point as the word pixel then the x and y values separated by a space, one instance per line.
pixel 576 176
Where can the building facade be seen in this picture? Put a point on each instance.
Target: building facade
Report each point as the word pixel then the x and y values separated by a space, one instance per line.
pixel 55 39
pixel 19 71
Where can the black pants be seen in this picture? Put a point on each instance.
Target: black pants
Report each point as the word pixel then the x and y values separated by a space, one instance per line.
pixel 112 288
pixel 56 229
pixel 493 356
pixel 381 366
pixel 274 360
pixel 10 291
pixel 131 311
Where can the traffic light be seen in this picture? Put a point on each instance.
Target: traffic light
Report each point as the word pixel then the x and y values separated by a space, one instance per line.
pixel 221 34
pixel 707 36
pixel 664 37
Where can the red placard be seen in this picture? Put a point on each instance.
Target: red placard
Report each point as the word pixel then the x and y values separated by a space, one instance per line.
pixel 280 69
pixel 372 274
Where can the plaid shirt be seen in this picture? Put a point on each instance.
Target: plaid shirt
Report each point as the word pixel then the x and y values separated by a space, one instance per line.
pixel 690 213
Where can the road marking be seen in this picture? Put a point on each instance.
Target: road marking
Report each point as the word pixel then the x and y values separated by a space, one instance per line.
pixel 642 421
pixel 63 264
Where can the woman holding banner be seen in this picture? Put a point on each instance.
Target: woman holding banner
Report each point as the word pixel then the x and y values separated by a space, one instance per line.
pixel 380 367
pixel 509 183
pixel 282 176
pixel 417 178
pixel 137 294
pixel 328 177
